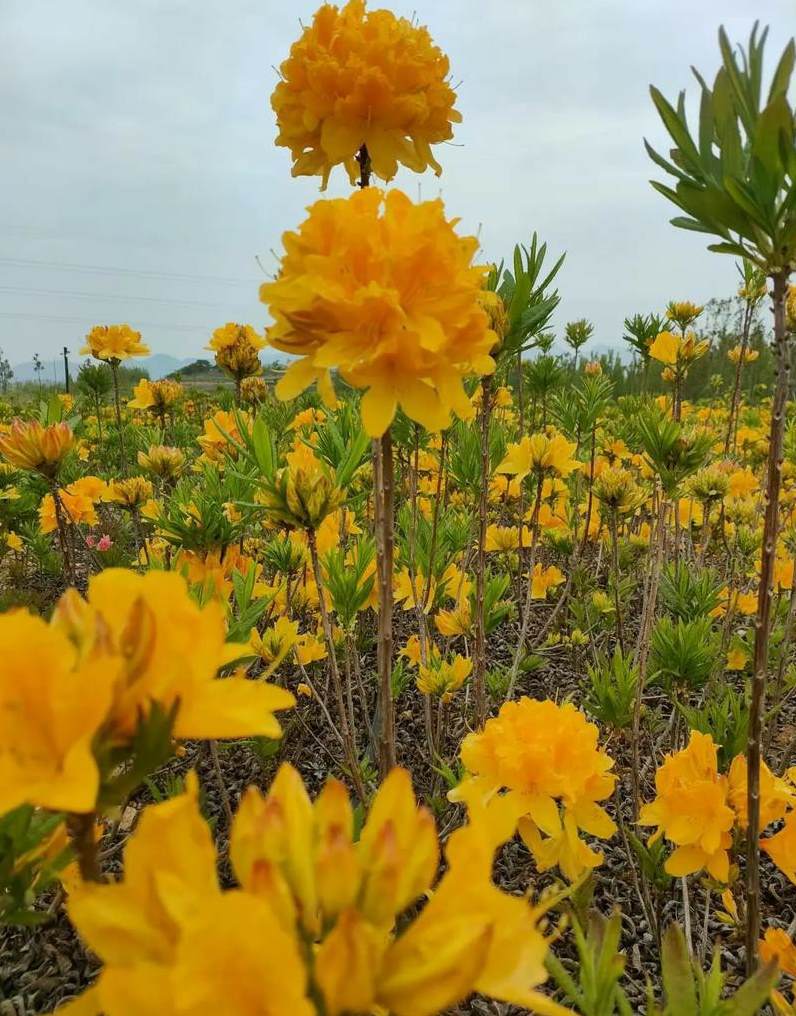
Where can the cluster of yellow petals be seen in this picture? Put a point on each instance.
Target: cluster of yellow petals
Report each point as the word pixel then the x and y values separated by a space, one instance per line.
pixel 315 914
pixel 548 760
pixel 363 78
pixel 692 809
pixel 384 291
pixel 677 350
pixel 549 453
pixel 79 500
pixel 237 348
pixel 99 667
pixel 114 343
pixel 28 444
pixel 155 395
pixel 443 676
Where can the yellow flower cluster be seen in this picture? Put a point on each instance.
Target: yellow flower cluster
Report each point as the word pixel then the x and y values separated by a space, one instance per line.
pixel 237 348
pixel 83 683
pixel 385 291
pixel 315 915
pixel 27 444
pixel 547 453
pixel 692 809
pixel 155 395
pixel 363 78
pixel 114 343
pixel 547 758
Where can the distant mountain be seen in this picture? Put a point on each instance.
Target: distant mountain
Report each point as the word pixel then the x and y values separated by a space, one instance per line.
pixel 156 366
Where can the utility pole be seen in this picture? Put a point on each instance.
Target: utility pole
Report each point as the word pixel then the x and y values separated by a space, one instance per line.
pixel 66 369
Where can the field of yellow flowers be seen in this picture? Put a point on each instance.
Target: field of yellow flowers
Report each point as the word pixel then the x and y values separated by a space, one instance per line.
pixel 440 676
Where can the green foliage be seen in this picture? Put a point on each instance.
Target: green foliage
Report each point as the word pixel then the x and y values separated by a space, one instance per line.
pixel 670 450
pixel 682 652
pixel 688 593
pixel 592 986
pixel 611 694
pixel 524 292
pixel 30 860
pixel 725 716
pixel 736 178
pixel 640 332
pixel 349 578
pixel 689 991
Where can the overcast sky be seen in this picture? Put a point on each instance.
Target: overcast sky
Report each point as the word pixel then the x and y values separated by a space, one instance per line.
pixel 140 183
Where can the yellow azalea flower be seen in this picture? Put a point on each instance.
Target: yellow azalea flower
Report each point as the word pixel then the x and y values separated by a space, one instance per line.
pixel 304 492
pixel 777 795
pixel 742 482
pixel 14 541
pixel 309 649
pixel 503 538
pixel 304 689
pixel 363 78
pixel 545 579
pixel 458 621
pixel 683 312
pixel 737 658
pixel 219 436
pixel 777 946
pixel 161 647
pixel 158 396
pixel 781 847
pixel 541 453
pixel 739 354
pixel 129 493
pixel 665 348
pixel 309 417
pixel 212 570
pixel 275 642
pixel 79 500
pixel 442 677
pixel 167 925
pixel 28 445
pixel 163 461
pixel 237 348
pixel 409 592
pixel 253 390
pixel 51 707
pixel 547 757
pixel 114 343
pixel 408 331
pixel 412 650
pixel 692 810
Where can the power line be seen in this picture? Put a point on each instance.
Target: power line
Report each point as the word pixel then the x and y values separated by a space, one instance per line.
pixel 140 273
pixel 29 291
pixel 208 329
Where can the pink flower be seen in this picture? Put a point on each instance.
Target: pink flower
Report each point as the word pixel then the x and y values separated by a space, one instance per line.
pixel 104 543
pixel 91 542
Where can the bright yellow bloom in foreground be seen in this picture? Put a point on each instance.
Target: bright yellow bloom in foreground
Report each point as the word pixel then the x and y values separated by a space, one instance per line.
pixel 174 944
pixel 358 77
pixel 692 810
pixel 548 453
pixel 51 706
pixel 545 756
pixel 385 291
pixel 114 343
pixel 28 445
pixel 159 646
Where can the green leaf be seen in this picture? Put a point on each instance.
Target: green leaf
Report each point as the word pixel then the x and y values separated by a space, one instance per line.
pixel 678 977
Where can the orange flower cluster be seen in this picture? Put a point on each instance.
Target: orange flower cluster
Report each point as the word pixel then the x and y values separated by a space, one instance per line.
pixel 385 291
pixel 359 78
pixel 692 810
pixel 114 343
pixel 28 445
pixel 547 757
